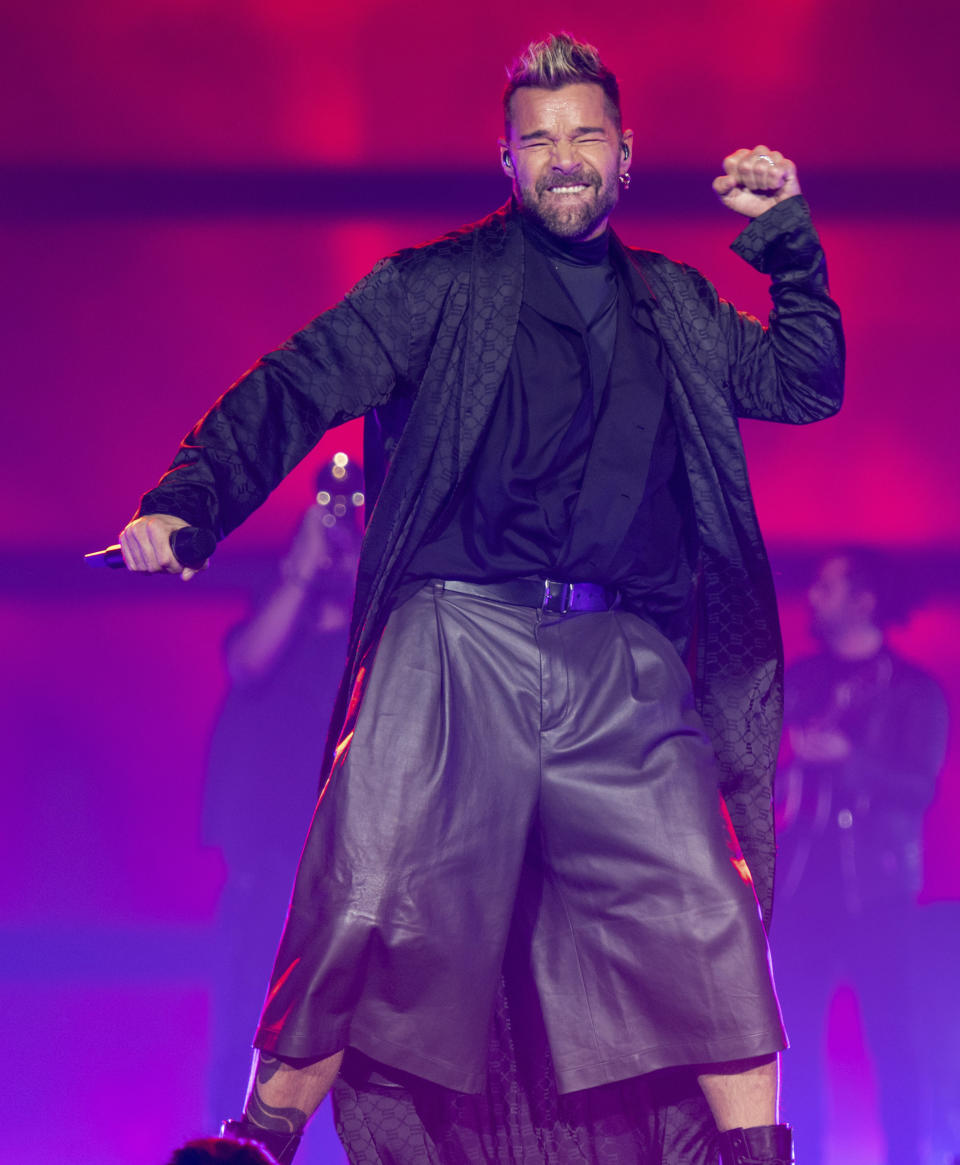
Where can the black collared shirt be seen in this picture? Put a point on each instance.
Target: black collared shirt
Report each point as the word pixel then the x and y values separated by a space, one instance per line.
pixel 578 475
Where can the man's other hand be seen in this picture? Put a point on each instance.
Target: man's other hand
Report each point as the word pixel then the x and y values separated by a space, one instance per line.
pixel 819 745
pixel 145 544
pixel 754 180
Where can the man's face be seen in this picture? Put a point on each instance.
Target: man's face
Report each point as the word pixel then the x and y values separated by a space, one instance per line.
pixel 835 605
pixel 564 156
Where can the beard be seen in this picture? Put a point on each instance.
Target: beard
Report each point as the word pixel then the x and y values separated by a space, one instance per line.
pixel 579 215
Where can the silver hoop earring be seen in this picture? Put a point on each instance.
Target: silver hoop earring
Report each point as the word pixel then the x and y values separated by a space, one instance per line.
pixel 625 180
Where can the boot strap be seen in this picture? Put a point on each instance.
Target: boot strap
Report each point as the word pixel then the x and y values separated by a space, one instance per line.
pixel 762 1145
pixel 279 1144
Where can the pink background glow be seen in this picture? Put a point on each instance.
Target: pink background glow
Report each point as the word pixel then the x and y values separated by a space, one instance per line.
pixel 122 324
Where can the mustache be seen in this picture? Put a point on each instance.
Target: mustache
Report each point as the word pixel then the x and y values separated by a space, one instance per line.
pixel 558 181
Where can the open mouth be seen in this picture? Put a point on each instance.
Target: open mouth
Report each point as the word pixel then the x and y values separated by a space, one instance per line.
pixel 565 190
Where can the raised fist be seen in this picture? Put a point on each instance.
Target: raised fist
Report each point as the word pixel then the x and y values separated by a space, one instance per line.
pixel 754 180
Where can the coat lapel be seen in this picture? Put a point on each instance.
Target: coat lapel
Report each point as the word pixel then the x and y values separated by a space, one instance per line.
pixel 496 292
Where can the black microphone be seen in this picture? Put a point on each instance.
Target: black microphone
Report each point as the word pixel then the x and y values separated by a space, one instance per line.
pixel 191 545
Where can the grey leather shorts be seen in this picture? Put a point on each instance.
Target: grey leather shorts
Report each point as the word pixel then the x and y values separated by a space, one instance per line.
pixel 515 768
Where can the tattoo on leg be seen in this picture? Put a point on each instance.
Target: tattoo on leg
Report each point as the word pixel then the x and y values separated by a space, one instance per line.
pixel 266 1116
pixel 288 1119
pixel 268 1067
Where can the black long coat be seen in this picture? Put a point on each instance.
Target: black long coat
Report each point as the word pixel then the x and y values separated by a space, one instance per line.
pixel 420 346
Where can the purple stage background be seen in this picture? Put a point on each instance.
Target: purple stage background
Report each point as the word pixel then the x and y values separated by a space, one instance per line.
pixel 183 183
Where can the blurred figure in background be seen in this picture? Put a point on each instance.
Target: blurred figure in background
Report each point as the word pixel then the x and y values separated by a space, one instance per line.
pixel 284 662
pixel 865 740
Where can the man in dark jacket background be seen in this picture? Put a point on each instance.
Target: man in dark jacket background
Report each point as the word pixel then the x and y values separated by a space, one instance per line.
pixel 563 517
pixel 866 739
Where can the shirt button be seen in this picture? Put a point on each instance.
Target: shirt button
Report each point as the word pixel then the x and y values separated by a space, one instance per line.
pixel 844 819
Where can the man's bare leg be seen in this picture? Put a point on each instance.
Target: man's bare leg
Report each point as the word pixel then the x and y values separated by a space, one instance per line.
pixel 744 1093
pixel 744 1097
pixel 282 1096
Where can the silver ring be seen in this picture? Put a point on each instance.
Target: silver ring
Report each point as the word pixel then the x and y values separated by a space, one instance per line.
pixel 765 158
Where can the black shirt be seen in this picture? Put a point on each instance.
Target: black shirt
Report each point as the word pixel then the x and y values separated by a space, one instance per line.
pixel 548 493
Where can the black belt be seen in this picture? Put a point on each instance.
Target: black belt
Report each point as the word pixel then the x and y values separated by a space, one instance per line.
pixel 548 594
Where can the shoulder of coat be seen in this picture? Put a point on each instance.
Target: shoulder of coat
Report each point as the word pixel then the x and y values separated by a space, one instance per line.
pixel 658 264
pixel 455 249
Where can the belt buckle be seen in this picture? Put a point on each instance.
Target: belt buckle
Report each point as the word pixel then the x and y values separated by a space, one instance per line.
pixel 563 593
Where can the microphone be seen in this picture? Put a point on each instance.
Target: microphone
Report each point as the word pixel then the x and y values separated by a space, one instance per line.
pixel 191 545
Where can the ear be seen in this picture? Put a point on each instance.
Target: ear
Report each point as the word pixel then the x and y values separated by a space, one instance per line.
pixel 506 161
pixel 626 150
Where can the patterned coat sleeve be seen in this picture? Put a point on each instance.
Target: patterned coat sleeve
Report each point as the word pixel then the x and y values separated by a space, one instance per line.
pixel 791 370
pixel 347 361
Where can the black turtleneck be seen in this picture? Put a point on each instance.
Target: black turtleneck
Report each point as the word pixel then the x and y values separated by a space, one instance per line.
pixel 583 268
pixel 582 252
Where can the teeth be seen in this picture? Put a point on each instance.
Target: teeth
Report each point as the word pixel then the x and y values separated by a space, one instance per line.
pixel 566 189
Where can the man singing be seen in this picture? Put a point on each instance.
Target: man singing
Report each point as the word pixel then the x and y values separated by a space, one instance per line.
pixel 562 519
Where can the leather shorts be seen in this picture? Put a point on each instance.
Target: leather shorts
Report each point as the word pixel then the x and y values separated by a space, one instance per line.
pixel 514 770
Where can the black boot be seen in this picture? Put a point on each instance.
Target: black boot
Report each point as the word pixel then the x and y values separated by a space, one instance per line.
pixel 281 1146
pixel 763 1145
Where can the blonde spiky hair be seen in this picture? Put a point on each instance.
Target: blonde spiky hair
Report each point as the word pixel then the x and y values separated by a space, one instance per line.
pixel 557 61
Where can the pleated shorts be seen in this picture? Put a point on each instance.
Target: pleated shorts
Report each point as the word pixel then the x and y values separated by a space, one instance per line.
pixel 511 767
